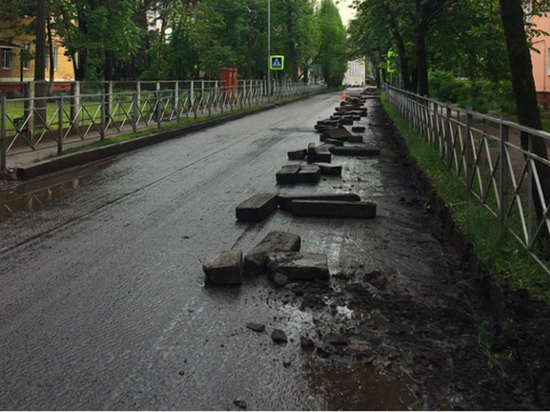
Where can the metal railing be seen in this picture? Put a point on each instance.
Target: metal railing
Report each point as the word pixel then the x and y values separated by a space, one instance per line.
pixel 494 159
pixel 29 124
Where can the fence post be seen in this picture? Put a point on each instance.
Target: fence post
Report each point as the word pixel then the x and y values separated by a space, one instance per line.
pixel 102 116
pixel 138 91
pixel 110 100
pixel 3 125
pixel 75 101
pixel 157 106
pixel 503 189
pixel 176 99
pixel 435 127
pixel 469 151
pixel 135 114
pixel 192 93
pixel 448 138
pixel 60 126
pixel 30 112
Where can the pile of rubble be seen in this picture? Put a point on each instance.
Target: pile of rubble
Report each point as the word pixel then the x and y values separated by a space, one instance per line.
pixel 278 254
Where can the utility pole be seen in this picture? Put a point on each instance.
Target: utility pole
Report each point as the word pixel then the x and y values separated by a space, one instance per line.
pixel 268 50
pixel 39 62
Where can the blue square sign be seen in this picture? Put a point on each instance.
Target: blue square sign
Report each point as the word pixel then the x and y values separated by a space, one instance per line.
pixel 277 62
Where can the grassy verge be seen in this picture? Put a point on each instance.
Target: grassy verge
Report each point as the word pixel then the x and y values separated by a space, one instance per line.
pixel 500 253
pixel 169 126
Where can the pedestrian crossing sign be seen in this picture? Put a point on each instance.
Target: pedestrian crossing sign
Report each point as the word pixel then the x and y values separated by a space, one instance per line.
pixel 277 62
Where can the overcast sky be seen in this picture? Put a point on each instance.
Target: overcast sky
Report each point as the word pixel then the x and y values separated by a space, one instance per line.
pixel 346 13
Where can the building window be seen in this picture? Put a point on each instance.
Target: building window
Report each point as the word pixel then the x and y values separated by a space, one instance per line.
pixel 55 55
pixel 6 59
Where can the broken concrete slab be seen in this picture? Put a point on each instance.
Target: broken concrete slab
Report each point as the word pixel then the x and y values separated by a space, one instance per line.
pixel 257 207
pixel 322 153
pixel 311 152
pixel 309 174
pixel 255 260
pixel 334 338
pixel 358 129
pixel 356 151
pixel 286 200
pixel 328 208
pixel 330 170
pixel 334 142
pixel 224 268
pixel 346 121
pixel 288 174
pixel 298 265
pixel 337 134
pixel 297 154
pixel 280 279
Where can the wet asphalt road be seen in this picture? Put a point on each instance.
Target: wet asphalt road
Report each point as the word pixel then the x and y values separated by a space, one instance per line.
pixel 102 297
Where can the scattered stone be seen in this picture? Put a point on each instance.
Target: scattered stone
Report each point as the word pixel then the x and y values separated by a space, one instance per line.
pixel 311 152
pixel 256 327
pixel 322 347
pixel 332 208
pixel 380 282
pixel 306 343
pixel 224 268
pixel 240 403
pixel 285 201
pixel 356 151
pixel 285 300
pixel 358 129
pixel 331 170
pixel 280 279
pixel 278 336
pixel 256 259
pixel 286 364
pixel 298 266
pixel 309 174
pixel 181 373
pixel 288 174
pixel 333 338
pixel 257 207
pixel 297 154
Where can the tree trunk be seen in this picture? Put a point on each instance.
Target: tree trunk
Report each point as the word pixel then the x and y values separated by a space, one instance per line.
pixel 421 60
pixel 52 57
pixel 39 63
pixel 525 93
pixel 250 42
pixel 400 44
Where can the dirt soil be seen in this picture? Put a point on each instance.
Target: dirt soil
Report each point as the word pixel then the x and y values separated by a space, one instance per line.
pixel 460 350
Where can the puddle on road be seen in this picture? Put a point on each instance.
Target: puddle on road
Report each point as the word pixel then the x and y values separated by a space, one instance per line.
pixel 39 194
pixel 346 386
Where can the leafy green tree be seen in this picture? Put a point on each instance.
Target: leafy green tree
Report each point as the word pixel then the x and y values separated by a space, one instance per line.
pixel 332 49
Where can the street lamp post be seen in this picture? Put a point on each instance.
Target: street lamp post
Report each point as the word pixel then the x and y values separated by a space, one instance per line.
pixel 268 50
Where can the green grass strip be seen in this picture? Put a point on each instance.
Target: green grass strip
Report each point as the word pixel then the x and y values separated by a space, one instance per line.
pixel 501 254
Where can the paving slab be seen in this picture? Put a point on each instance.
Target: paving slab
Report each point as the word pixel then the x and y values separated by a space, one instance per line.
pixel 309 174
pixel 330 170
pixel 328 208
pixel 257 207
pixel 334 142
pixel 358 129
pixel 336 134
pixel 346 121
pixel 288 174
pixel 298 265
pixel 322 154
pixel 355 138
pixel 311 152
pixel 224 268
pixel 297 154
pixel 255 260
pixel 356 151
pixel 286 200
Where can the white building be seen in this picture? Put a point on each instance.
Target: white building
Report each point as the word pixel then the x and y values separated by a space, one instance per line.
pixel 355 73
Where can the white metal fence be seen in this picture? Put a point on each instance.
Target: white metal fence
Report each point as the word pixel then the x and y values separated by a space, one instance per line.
pixel 27 124
pixel 494 158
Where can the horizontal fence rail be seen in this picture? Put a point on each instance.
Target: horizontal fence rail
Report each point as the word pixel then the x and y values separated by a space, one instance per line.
pixel 29 124
pixel 494 158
